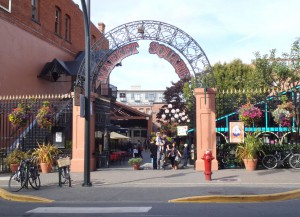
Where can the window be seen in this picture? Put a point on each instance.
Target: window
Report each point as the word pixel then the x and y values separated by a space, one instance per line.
pixel 137 97
pixel 57 20
pixel 34 10
pixel 151 97
pixel 148 111
pixel 141 109
pixel 68 28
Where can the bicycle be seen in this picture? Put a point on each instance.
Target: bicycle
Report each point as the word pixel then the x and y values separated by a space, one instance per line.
pixel 26 173
pixel 64 171
pixel 272 161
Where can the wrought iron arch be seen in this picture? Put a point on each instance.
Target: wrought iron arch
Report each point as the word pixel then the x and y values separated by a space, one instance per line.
pixel 147 30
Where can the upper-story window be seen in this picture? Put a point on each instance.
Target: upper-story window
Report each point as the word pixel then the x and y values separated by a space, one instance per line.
pixel 151 97
pixel 68 28
pixel 137 97
pixel 122 97
pixel 35 10
pixel 93 39
pixel 57 20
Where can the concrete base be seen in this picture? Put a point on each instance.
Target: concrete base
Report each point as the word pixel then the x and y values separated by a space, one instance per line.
pixel 77 165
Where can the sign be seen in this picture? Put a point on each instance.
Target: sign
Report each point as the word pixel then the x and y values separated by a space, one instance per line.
pixel 168 54
pixel 115 58
pixel 236 132
pixel 182 130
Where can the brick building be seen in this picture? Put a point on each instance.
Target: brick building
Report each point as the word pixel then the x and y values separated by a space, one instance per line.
pixel 34 33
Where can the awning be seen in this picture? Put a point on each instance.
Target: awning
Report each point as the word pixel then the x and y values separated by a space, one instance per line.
pixel 114 135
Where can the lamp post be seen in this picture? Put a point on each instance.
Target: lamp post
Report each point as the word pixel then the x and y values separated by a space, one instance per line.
pixel 174 115
pixel 86 17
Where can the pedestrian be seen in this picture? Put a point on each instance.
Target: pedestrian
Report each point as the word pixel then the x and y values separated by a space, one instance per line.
pixel 185 155
pixel 140 149
pixel 153 150
pixel 174 156
pixel 135 152
pixel 160 151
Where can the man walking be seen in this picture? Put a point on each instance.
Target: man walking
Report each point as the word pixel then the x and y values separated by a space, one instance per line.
pixel 160 151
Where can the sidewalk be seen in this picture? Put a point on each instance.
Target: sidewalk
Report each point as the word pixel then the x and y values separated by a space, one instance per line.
pixel 121 182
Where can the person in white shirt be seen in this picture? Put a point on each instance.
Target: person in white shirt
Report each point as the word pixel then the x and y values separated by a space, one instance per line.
pixel 160 151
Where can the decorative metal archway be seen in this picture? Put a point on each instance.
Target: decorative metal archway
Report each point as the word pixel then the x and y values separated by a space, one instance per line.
pixel 147 30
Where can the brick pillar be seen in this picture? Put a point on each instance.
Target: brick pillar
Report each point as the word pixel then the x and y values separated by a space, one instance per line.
pixel 205 125
pixel 77 162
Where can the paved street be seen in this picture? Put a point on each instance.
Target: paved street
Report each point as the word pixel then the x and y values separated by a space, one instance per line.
pixel 121 183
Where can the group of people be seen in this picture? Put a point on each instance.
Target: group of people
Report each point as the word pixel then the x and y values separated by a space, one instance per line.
pixel 162 150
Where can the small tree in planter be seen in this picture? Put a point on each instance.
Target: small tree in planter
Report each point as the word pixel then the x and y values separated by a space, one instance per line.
pixel 13 159
pixel 135 162
pixel 45 155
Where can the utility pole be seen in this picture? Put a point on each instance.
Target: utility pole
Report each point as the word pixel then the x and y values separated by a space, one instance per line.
pixel 87 94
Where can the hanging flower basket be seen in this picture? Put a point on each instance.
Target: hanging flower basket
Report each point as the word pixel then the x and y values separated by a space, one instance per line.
pixel 20 115
pixel 284 114
pixel 45 116
pixel 249 114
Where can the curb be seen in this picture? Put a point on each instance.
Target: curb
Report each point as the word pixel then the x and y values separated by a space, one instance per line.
pixel 23 198
pixel 289 195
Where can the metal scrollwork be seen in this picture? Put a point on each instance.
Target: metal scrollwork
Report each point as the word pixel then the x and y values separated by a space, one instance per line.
pixel 147 30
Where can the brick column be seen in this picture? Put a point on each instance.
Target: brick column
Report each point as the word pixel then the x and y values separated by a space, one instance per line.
pixel 205 125
pixel 77 162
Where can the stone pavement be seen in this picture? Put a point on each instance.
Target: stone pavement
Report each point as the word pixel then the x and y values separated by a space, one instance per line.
pixel 122 183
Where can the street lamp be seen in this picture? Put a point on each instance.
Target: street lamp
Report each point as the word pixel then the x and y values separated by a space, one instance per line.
pixel 174 115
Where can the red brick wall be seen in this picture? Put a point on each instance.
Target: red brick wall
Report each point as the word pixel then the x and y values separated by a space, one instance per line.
pixel 44 28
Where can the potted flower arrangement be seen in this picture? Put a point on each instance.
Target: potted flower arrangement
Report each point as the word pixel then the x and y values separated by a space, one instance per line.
pixel 45 116
pixel 45 155
pixel 284 113
pixel 249 150
pixel 20 115
pixel 13 159
pixel 135 162
pixel 249 114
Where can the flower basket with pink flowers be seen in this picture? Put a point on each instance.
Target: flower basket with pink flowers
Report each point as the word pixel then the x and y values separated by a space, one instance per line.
pixel 249 114
pixel 20 115
pixel 45 116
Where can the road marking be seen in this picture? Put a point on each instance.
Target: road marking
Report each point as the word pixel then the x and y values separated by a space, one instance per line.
pixel 90 210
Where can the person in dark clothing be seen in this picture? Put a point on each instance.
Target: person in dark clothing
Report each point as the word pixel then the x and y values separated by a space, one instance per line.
pixel 153 151
pixel 185 155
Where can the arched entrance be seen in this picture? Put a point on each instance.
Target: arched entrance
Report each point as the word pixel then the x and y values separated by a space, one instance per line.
pixel 104 61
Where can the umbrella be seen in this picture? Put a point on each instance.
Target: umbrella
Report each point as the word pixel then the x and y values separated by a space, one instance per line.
pixel 114 135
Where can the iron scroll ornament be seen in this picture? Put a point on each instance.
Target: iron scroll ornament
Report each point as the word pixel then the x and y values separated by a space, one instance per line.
pixel 147 30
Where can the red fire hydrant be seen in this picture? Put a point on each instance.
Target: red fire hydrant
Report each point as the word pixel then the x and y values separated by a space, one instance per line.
pixel 207 157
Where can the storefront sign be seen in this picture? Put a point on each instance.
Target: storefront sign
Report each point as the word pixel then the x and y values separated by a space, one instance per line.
pixel 168 54
pixel 115 58
pixel 182 130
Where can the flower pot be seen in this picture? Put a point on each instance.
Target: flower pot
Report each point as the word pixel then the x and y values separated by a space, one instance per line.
pixel 136 167
pixel 46 168
pixel 250 164
pixel 14 167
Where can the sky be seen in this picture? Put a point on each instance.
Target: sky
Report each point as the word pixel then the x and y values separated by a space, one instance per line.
pixel 224 29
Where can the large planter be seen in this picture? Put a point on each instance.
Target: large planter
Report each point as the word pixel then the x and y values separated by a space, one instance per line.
pixel 14 167
pixel 250 164
pixel 136 166
pixel 46 168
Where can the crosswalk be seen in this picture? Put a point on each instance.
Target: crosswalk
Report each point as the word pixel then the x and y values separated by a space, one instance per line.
pixel 88 210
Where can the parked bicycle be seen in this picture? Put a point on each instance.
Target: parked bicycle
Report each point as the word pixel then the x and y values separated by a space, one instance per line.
pixel 64 171
pixel 280 158
pixel 26 173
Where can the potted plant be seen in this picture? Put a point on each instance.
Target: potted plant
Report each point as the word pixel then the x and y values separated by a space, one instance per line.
pixel 135 162
pixel 249 114
pixel 45 155
pixel 20 115
pixel 13 159
pixel 284 113
pixel 249 150
pixel 45 116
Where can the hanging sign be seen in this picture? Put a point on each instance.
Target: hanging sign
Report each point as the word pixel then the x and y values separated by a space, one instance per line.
pixel 182 130
pixel 236 132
